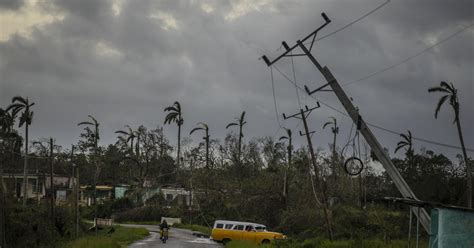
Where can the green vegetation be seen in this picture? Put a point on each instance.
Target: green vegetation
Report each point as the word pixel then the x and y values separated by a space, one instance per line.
pixel 325 243
pixel 256 179
pixel 32 227
pixel 141 222
pixel 121 237
pixel 194 227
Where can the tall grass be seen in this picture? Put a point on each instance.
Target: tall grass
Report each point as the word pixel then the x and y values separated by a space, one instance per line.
pixel 121 237
pixel 324 243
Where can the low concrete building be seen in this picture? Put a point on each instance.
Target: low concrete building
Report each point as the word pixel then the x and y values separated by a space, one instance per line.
pixel 38 185
pixel 104 193
pixel 181 195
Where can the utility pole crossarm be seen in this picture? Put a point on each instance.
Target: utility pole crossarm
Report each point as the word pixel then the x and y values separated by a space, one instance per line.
pixel 289 49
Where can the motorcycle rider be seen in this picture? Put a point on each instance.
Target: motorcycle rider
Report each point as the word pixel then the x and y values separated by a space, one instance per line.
pixel 163 228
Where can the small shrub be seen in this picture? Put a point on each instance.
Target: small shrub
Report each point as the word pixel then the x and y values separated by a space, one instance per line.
pixel 148 213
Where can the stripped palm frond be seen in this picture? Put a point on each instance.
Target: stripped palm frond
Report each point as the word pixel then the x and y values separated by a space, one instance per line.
pixel 20 99
pixel 231 124
pixel 85 123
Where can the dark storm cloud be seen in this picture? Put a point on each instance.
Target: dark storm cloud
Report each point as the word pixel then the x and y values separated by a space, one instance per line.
pixel 11 4
pixel 126 68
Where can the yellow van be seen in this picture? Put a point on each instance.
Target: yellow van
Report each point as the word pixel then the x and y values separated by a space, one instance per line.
pixel 226 230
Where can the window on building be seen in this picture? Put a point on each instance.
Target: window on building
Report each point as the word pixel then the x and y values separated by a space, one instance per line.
pixel 32 185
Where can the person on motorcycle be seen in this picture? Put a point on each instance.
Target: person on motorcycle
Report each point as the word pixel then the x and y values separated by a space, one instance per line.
pixel 164 228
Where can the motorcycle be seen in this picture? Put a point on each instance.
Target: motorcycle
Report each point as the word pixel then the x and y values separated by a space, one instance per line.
pixel 164 235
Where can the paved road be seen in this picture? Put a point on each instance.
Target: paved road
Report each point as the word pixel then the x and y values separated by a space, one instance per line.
pixel 178 238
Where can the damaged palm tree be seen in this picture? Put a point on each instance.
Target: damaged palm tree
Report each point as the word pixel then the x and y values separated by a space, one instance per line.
pixel 288 167
pixel 205 128
pixel 451 95
pixel 240 122
pixel 96 138
pixel 23 104
pixel 175 115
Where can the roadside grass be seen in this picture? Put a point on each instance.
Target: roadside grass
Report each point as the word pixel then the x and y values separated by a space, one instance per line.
pixel 245 244
pixel 140 222
pixel 324 243
pixel 196 228
pixel 121 237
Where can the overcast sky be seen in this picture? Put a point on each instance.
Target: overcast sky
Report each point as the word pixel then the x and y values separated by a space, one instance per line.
pixel 124 61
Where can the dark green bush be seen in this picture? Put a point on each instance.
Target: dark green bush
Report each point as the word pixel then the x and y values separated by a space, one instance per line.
pixel 147 213
pixel 32 226
pixel 122 204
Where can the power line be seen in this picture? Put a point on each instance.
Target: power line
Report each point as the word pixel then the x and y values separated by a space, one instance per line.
pixel 381 71
pixel 350 23
pixel 294 79
pixel 409 57
pixel 274 99
pixel 370 124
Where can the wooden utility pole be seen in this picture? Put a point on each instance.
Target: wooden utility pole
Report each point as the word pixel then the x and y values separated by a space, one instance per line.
pixel 75 176
pixel 96 174
pixel 302 115
pixel 51 169
pixel 78 214
pixel 369 137
pixel 2 209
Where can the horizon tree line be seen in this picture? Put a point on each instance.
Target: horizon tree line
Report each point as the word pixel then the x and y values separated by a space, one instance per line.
pixel 174 114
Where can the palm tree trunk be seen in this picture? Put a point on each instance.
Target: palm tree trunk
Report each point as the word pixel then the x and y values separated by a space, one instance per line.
pixel 466 162
pixel 25 165
pixel 178 158
pixel 285 176
pixel 240 144
pixel 96 176
pixel 207 150
pixel 137 148
pixel 334 157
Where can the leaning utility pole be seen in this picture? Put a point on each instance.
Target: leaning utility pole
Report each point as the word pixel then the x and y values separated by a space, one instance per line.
pixel 303 115
pixel 51 164
pixel 383 157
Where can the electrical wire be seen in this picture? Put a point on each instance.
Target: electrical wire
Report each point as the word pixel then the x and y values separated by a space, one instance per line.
pixel 381 71
pixel 294 80
pixel 29 156
pixel 409 57
pixel 370 124
pixel 350 23
pixel 274 98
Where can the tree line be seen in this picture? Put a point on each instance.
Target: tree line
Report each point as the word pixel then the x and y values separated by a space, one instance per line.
pixel 262 179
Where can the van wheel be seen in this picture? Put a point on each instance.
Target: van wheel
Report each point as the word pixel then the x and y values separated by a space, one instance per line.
pixel 225 241
pixel 265 241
